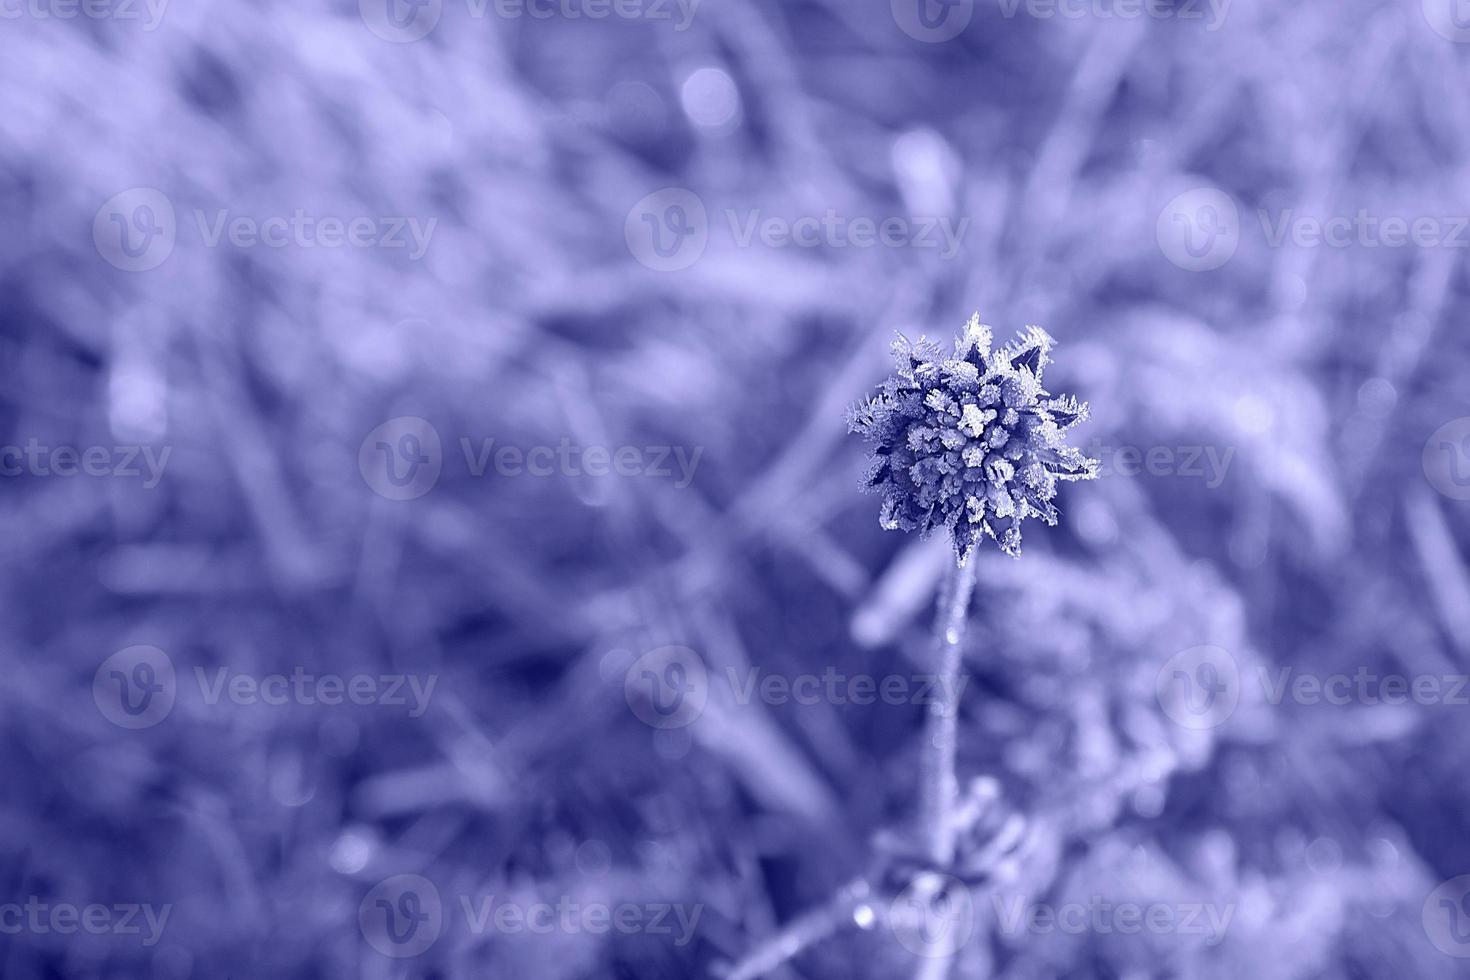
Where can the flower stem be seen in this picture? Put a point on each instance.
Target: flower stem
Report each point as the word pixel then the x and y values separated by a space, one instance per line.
pixel 941 788
pixel 806 930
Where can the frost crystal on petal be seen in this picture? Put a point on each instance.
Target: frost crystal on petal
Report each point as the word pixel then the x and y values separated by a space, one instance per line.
pixel 971 442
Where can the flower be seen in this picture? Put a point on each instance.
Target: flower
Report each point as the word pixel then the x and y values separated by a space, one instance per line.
pixel 970 442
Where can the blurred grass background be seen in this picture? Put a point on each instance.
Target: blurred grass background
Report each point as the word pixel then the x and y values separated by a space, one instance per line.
pixel 528 321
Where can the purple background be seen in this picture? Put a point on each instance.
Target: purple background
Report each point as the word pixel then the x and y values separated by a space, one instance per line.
pixel 689 233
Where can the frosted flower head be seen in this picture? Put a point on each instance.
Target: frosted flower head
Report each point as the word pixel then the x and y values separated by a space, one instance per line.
pixel 970 442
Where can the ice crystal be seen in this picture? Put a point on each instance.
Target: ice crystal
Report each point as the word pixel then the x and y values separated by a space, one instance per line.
pixel 970 442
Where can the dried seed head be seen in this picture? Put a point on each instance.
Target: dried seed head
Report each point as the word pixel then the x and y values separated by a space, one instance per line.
pixel 970 441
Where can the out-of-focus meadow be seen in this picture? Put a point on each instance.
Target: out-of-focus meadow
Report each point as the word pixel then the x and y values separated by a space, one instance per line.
pixel 430 370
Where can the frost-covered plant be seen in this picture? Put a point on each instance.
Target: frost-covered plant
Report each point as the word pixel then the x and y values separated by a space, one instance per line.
pixel 971 442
